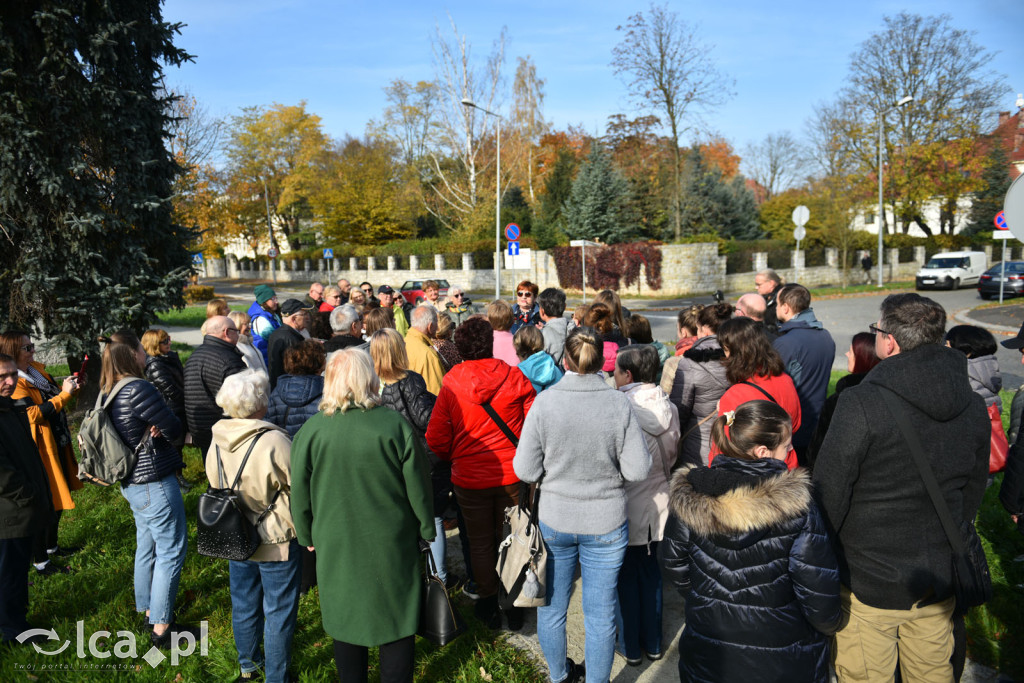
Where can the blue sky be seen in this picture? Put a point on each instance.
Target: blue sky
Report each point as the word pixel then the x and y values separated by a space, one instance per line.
pixel 338 56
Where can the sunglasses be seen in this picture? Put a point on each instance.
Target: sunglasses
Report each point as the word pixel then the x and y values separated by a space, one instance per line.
pixel 166 341
pixel 456 296
pixel 875 329
pixel 29 347
pixel 524 294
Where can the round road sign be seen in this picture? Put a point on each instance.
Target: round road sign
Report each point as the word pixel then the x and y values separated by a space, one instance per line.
pixel 799 233
pixel 512 232
pixel 800 216
pixel 1013 208
pixel 1000 221
pixel 272 252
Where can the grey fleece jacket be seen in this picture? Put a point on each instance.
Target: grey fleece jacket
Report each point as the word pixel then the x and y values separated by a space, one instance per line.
pixel 583 438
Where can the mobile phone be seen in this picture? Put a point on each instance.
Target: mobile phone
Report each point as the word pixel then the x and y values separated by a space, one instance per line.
pixel 85 361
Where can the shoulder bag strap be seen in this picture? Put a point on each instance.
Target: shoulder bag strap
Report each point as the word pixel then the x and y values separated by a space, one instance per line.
pixel 770 397
pixel 220 468
pixel 252 444
pixel 898 413
pixel 486 405
pixel 102 402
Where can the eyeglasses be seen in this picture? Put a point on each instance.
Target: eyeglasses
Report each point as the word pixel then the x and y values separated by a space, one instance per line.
pixel 875 329
pixel 524 295
pixel 231 329
pixel 166 341
pixel 29 347
pixel 457 296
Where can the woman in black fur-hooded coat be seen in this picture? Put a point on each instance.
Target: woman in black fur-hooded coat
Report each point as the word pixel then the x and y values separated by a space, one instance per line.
pixel 747 548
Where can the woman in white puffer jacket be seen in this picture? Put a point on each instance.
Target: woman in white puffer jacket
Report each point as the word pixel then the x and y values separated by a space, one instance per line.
pixel 639 614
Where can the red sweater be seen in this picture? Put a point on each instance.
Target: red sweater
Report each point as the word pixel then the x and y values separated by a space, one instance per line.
pixel 781 388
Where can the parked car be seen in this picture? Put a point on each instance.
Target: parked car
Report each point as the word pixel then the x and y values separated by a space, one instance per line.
pixel 951 269
pixel 412 290
pixel 988 287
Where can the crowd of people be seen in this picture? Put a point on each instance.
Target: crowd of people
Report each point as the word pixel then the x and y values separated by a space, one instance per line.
pixel 361 430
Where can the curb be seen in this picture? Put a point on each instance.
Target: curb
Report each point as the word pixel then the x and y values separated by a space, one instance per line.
pixel 963 317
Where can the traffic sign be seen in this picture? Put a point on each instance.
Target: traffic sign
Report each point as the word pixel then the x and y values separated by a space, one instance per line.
pixel 512 232
pixel 801 214
pixel 513 248
pixel 197 259
pixel 799 233
pixel 1013 208
pixel 328 253
pixel 272 252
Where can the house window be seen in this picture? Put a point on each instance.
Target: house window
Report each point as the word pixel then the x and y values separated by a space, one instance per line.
pixel 869 218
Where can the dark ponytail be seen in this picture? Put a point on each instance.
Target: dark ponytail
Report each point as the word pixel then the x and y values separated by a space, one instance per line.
pixel 753 424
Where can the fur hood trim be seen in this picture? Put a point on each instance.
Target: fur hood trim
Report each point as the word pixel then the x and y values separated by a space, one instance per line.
pixel 771 501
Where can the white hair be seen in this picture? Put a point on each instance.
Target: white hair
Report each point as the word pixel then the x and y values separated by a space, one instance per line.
pixel 423 316
pixel 349 382
pixel 344 317
pixel 244 394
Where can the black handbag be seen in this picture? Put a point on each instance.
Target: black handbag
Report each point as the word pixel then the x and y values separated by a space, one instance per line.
pixel 440 623
pixel 972 584
pixel 222 529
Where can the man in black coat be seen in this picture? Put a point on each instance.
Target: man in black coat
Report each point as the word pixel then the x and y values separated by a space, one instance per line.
pixel 295 319
pixel 25 506
pixel 205 370
pixel 768 283
pixel 895 558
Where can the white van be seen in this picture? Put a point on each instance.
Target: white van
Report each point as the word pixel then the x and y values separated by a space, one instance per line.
pixel 951 270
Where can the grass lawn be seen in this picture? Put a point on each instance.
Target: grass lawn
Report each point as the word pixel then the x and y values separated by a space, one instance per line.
pixel 191 316
pixel 995 631
pixel 862 289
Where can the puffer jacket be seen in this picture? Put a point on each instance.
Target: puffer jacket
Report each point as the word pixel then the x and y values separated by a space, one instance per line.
pixel 205 371
pixel 699 383
pixel 136 408
pixel 410 397
pixel 747 547
pixel 541 370
pixel 268 472
pixel 260 342
pixel 462 432
pixel 168 376
pixel 647 500
pixel 295 399
pixel 986 381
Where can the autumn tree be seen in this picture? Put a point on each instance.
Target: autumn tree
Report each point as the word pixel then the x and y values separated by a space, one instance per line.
pixel 596 206
pixel 774 163
pixel 954 89
pixel 669 70
pixel 364 198
pixel 280 148
pixel 645 161
pixel 86 180
pixel 528 124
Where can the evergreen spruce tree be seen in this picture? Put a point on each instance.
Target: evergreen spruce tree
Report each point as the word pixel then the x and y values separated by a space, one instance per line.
pixel 557 188
pixel 989 201
pixel 596 205
pixel 85 178
pixel 711 205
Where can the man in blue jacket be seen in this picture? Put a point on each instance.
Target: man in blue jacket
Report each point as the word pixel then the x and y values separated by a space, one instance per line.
pixel 807 349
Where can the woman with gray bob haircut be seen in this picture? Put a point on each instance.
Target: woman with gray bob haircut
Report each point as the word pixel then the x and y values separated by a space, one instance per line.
pixel 264 588
pixel 362 498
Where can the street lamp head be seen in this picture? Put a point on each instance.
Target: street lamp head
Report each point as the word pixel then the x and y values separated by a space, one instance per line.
pixel 906 100
pixel 466 102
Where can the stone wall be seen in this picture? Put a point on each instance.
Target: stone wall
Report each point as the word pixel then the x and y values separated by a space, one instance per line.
pixel 686 269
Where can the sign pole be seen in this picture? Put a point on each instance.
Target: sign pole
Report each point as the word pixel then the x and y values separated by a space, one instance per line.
pixel 1002 274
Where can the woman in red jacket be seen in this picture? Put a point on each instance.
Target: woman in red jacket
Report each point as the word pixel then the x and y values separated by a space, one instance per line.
pixel 460 430
pixel 756 372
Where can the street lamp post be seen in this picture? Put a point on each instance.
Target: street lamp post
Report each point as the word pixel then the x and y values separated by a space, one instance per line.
pixel 497 198
pixel 881 206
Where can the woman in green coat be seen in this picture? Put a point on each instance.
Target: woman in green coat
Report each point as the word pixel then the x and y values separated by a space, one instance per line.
pixel 361 497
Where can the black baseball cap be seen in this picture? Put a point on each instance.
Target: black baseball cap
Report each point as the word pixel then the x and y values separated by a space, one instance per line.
pixel 291 307
pixel 1017 342
pixel 385 289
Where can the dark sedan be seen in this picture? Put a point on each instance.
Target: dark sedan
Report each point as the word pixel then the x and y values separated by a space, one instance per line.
pixel 988 285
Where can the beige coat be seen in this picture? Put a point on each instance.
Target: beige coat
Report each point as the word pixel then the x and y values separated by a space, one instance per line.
pixel 424 360
pixel 267 471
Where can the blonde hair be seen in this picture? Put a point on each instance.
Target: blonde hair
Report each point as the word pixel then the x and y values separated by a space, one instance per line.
pixel 152 339
pixel 390 360
pixel 239 318
pixel 583 350
pixel 445 326
pixel 119 359
pixel 216 307
pixel 378 319
pixel 528 341
pixel 244 394
pixel 349 382
pixel 499 314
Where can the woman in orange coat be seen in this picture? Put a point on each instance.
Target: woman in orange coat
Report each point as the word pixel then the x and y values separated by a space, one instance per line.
pixel 44 403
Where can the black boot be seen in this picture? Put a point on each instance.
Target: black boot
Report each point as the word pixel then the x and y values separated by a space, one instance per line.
pixel 515 618
pixel 486 610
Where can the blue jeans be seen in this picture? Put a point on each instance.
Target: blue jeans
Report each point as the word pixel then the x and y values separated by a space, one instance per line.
pixel 264 607
pixel 160 545
pixel 439 549
pixel 600 556
pixel 639 613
